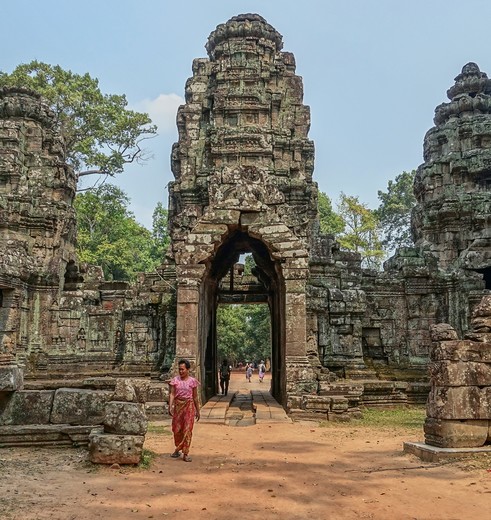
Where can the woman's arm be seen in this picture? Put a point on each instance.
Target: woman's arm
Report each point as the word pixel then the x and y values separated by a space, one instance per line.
pixel 196 403
pixel 172 395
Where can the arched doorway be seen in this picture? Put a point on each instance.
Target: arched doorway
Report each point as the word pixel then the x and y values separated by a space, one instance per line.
pixel 218 286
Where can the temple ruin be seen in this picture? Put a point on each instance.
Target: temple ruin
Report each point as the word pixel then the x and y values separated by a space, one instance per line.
pixel 243 168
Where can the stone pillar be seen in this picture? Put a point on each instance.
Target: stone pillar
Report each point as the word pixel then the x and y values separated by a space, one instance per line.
pixel 187 322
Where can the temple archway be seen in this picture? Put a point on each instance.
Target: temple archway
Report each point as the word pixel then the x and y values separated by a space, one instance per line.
pixel 219 286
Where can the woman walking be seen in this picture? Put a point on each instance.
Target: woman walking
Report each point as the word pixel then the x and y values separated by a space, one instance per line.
pixel 183 408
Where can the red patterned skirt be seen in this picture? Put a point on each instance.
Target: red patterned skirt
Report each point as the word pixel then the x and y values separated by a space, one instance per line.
pixel 182 424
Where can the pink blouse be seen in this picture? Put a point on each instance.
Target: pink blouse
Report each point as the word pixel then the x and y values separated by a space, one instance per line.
pixel 184 387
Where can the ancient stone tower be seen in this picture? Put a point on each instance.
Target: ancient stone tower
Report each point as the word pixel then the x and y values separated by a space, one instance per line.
pixel 37 220
pixel 243 168
pixel 453 216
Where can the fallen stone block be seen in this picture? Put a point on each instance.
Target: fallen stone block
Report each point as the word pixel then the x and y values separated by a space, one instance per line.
pixel 108 448
pixel 125 418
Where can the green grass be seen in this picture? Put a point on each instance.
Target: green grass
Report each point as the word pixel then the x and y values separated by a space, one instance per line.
pixel 147 458
pixel 412 418
pixel 158 428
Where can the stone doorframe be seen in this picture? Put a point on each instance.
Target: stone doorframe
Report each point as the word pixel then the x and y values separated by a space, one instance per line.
pixel 194 257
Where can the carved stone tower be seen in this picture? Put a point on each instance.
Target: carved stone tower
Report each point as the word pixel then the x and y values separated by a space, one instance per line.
pixel 453 216
pixel 37 220
pixel 243 184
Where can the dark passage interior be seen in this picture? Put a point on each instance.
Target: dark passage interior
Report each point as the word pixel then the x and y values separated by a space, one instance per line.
pixel 223 285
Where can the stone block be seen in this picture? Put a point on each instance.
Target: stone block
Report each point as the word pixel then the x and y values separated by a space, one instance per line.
pixel 442 332
pixel 27 407
pixel 115 449
pixel 464 350
pixel 456 434
pixel 124 391
pixel 316 402
pixel 338 417
pixel 125 418
pixel 461 403
pixel 11 378
pixel 460 373
pixel 339 404
pixel 78 406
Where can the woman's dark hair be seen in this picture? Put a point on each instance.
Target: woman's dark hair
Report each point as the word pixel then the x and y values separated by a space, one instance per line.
pixel 184 362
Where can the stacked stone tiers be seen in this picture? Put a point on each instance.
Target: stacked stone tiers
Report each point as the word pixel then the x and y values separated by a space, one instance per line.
pixel 125 426
pixel 459 403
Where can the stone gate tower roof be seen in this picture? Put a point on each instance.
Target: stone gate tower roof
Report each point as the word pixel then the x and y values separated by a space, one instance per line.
pixel 243 28
pixel 243 135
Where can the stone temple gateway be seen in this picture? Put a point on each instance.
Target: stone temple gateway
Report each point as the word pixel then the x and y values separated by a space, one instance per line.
pixel 243 164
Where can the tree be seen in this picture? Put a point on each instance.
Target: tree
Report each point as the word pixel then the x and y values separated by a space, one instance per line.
pixel 101 135
pixel 361 231
pixel 243 332
pixel 394 212
pixel 231 333
pixel 109 236
pixel 330 222
pixel 160 234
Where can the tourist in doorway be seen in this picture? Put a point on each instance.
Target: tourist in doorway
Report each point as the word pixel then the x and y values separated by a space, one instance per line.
pixel 249 371
pixel 262 371
pixel 225 370
pixel 183 408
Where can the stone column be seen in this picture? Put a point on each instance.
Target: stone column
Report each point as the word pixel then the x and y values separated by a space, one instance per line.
pixel 187 322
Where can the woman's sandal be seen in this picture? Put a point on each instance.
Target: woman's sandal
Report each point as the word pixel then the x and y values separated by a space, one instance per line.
pixel 186 458
pixel 176 454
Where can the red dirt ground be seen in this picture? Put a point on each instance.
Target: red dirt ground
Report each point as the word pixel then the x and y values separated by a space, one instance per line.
pixel 277 471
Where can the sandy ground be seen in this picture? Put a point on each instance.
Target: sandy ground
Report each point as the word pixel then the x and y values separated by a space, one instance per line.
pixel 277 471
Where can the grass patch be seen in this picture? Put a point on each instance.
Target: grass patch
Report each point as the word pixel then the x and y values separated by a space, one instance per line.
pixel 158 428
pixel 147 459
pixel 412 418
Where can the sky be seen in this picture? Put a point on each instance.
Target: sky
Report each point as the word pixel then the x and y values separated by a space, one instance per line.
pixel 373 72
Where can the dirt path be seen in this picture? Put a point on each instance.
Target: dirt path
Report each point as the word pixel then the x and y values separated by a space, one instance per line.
pixel 283 471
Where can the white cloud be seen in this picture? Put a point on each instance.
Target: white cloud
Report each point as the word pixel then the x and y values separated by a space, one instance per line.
pixel 162 110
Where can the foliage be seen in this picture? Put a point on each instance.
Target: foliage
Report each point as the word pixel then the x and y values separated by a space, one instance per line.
pixel 394 212
pixel 330 221
pixel 101 135
pixel 160 235
pixel 361 231
pixel 109 236
pixel 244 332
pixel 147 458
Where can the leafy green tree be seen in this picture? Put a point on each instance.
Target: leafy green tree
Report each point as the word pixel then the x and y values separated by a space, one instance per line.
pixel 330 221
pixel 361 232
pixel 109 236
pixel 101 135
pixel 231 333
pixel 160 234
pixel 394 212
pixel 243 332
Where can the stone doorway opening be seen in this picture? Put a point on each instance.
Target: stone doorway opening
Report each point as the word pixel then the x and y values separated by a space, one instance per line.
pixel 244 331
pixel 226 283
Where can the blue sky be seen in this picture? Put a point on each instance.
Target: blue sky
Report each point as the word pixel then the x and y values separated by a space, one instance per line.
pixel 373 71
